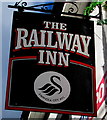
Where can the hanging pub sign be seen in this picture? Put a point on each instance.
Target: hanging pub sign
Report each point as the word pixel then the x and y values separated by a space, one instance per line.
pixel 52 65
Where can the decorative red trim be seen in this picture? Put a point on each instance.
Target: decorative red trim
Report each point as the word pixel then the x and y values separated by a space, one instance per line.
pixel 81 63
pixel 8 84
pixel 51 111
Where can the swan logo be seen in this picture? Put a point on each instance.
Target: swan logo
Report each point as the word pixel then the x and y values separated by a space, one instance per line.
pixel 52 87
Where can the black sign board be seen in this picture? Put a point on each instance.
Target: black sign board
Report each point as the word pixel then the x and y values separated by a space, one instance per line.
pixel 52 65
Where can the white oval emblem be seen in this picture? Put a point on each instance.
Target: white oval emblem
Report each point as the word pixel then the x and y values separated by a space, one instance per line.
pixel 52 87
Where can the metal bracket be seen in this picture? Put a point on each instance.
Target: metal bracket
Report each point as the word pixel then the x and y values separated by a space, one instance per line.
pixel 21 6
